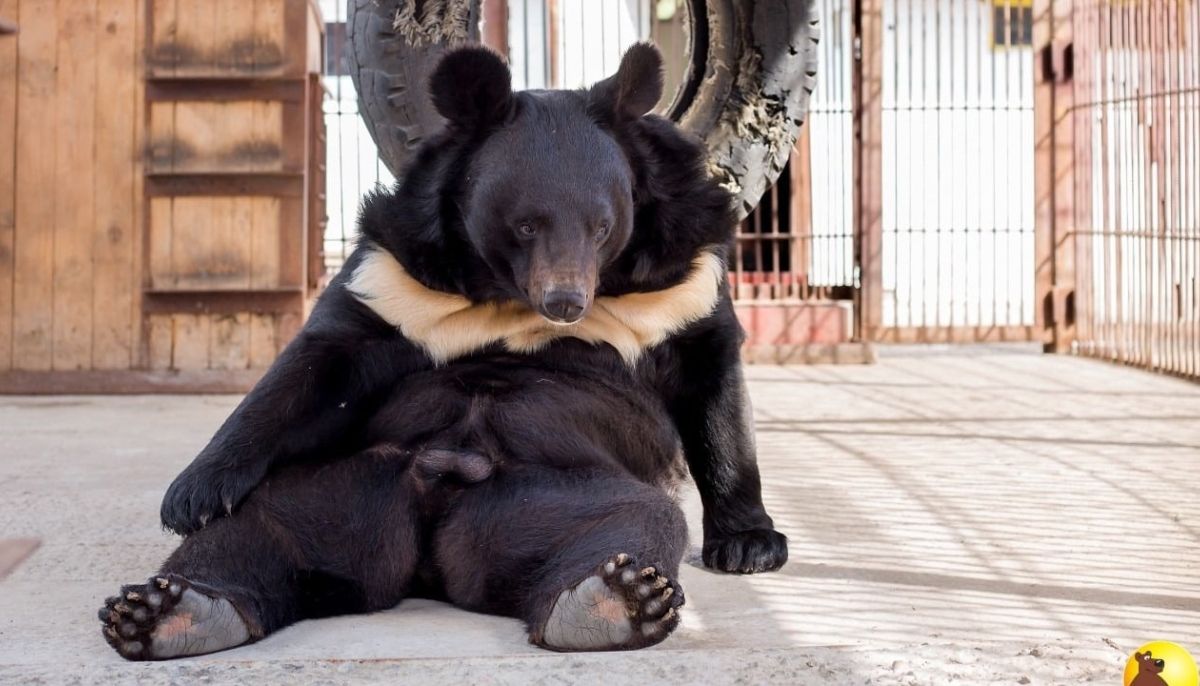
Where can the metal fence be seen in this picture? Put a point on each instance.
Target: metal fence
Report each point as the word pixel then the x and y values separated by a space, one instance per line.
pixel 1125 192
pixel 969 171
pixel 798 244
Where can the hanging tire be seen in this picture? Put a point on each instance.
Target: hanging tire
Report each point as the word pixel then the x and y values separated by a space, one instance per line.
pixel 745 92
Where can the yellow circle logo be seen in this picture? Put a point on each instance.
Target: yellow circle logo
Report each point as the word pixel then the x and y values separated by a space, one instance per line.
pixel 1161 663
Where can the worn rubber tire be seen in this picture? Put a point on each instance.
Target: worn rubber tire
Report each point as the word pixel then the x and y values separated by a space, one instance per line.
pixel 745 93
pixel 390 70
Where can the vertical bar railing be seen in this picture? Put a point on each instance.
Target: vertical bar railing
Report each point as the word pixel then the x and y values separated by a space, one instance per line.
pixel 1124 210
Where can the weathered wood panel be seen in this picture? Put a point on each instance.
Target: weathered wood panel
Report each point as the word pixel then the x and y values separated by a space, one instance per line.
pixel 161 55
pixel 153 225
pixel 117 224
pixel 223 38
pixel 8 182
pixel 195 38
pixel 205 243
pixel 74 190
pixel 193 342
pixel 33 273
pixel 216 137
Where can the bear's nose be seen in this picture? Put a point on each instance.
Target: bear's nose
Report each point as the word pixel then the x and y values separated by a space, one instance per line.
pixel 564 306
pixel 1160 663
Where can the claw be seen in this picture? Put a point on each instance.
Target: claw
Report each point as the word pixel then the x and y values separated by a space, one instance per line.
pixel 622 560
pixel 134 596
pixel 648 572
pixel 162 583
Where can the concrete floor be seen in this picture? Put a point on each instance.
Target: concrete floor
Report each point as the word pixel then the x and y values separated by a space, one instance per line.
pixel 982 515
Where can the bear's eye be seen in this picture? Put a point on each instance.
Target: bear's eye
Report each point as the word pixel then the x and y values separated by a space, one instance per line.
pixel 526 229
pixel 602 231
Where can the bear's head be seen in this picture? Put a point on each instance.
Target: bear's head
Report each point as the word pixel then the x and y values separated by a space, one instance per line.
pixel 550 197
pixel 1148 664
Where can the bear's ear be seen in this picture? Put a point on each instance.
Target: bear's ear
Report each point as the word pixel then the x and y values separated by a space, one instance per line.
pixel 472 88
pixel 634 89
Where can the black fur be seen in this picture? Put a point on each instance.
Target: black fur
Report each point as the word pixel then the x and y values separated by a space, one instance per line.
pixel 358 473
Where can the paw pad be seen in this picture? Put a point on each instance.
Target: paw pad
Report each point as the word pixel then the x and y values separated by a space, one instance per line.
pixel 651 598
pixel 130 616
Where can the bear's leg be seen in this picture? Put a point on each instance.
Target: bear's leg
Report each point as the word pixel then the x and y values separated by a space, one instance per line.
pixel 588 560
pixel 307 543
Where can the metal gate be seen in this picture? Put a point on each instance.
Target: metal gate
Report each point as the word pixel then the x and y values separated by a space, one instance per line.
pixel 910 195
pixel 945 224
pixel 1119 159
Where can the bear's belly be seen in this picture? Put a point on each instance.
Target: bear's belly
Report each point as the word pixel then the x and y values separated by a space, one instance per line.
pixel 516 410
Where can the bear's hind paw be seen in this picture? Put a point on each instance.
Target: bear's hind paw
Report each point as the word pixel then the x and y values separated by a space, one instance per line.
pixel 166 617
pixel 621 606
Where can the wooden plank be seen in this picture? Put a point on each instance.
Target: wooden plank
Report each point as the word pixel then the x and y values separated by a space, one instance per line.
pixel 268 36
pixel 237 240
pixel 105 382
pixel 255 183
pixel 223 89
pixel 137 273
pixel 210 252
pixel 163 54
pixel 116 224
pixel 264 243
pixel 161 146
pixel 191 220
pixel 75 145
pixel 264 340
pixel 229 346
pixel 266 134
pixel 195 135
pixel 160 339
pixel 291 242
pixel 190 341
pixel 33 271
pixel 234 53
pixel 317 215
pixel 195 38
pixel 224 302
pixel 224 137
pixel 161 239
pixel 295 28
pixel 8 184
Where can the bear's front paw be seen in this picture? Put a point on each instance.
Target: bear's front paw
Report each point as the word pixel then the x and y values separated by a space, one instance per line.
pixel 746 552
pixel 204 492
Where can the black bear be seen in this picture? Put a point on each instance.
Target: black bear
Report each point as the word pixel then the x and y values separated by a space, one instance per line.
pixel 1149 670
pixel 492 402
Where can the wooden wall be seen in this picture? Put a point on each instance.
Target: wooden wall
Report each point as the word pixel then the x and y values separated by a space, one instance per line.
pixel 155 183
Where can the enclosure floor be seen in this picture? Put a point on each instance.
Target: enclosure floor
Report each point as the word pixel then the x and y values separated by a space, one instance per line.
pixel 981 515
